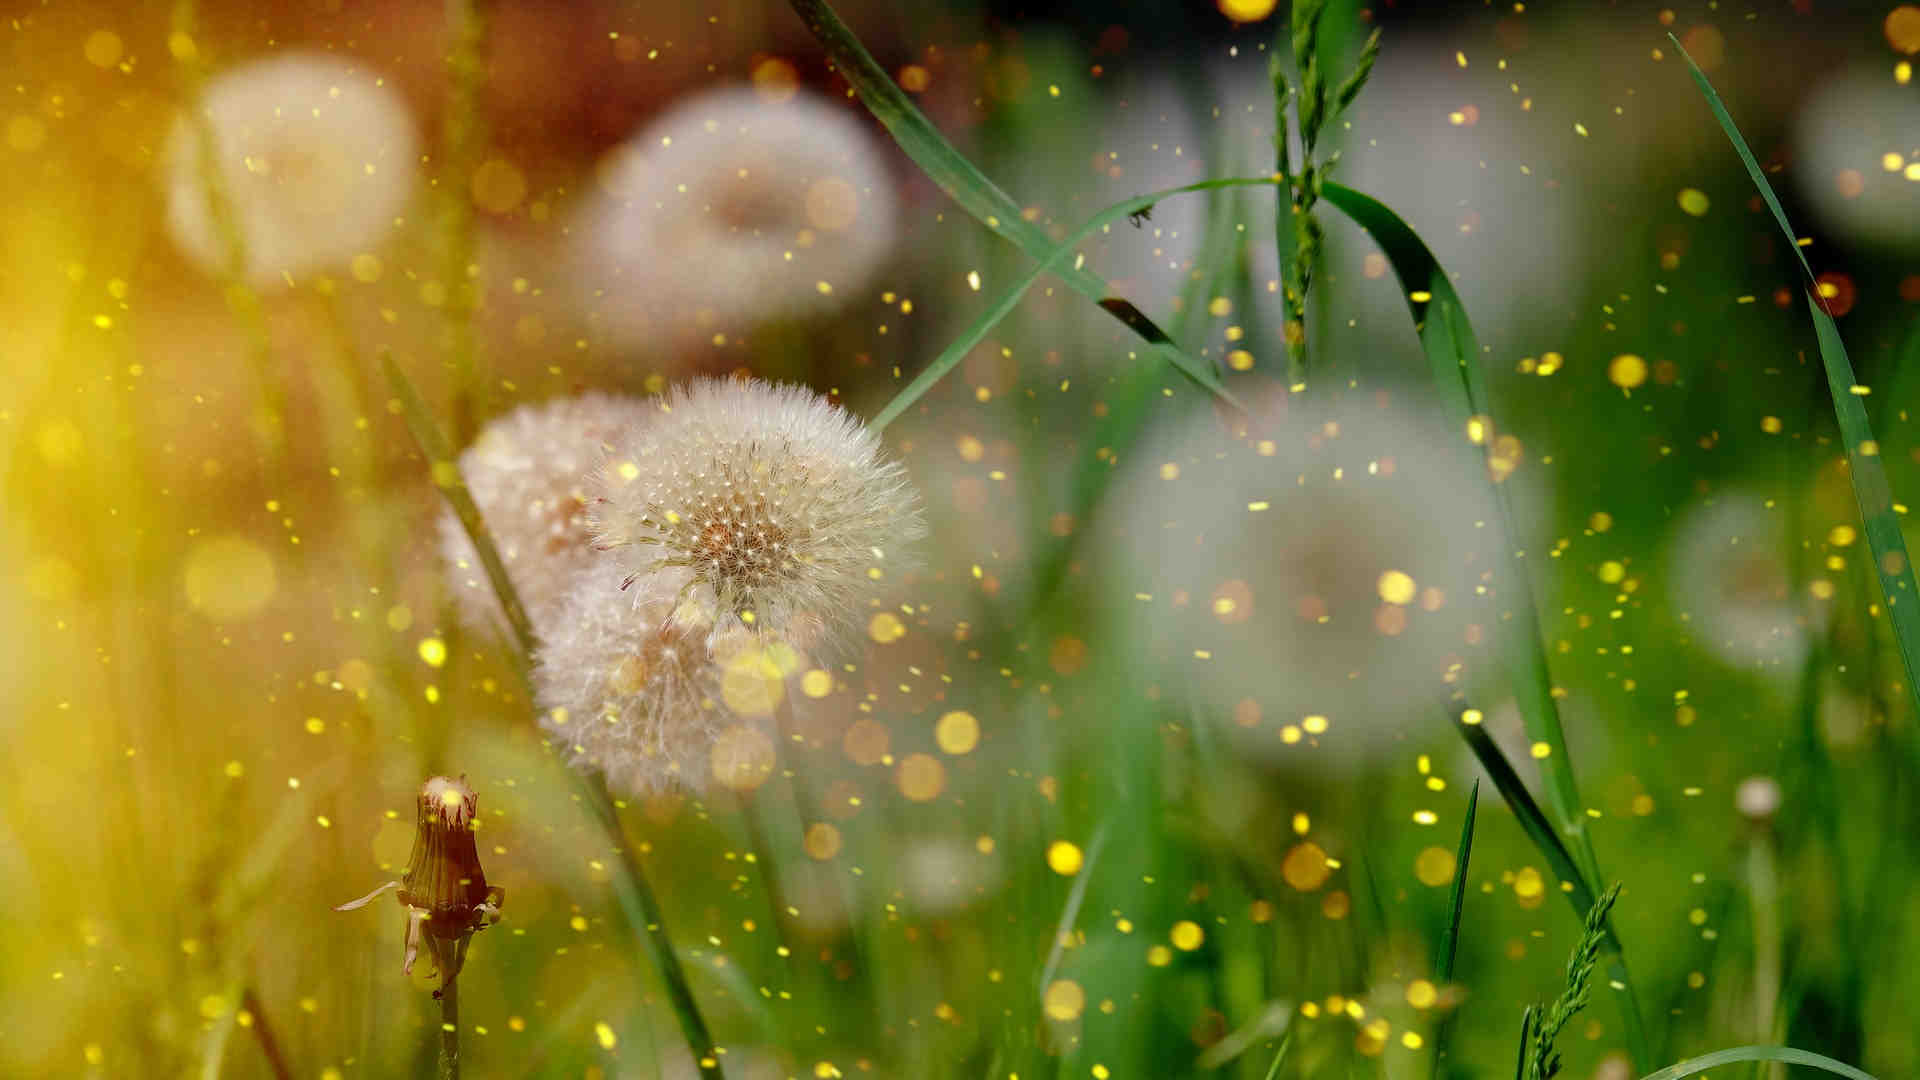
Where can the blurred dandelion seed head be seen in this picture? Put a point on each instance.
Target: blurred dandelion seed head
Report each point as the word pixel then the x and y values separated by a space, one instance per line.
pixel 731 211
pixel 529 472
pixel 314 158
pixel 635 682
pixel 1729 574
pixel 773 505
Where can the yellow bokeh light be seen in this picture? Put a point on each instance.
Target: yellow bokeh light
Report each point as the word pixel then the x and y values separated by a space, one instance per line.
pixel 229 577
pixel 816 683
pixel 1694 201
pixel 1434 866
pixel 1187 935
pixel 1397 588
pixel 1064 858
pixel 957 732
pixel 886 628
pixel 1246 11
pixel 1627 371
pixel 1064 1000
pixel 1902 27
pixel 1305 866
pixel 921 777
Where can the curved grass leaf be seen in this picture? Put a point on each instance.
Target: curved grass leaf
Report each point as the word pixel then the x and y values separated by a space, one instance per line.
pixel 968 186
pixel 1785 1055
pixel 1870 488
pixel 1050 260
pixel 1453 357
pixel 1450 941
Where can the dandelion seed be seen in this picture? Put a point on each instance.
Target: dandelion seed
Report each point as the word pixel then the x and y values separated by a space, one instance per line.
pixel 770 502
pixel 314 159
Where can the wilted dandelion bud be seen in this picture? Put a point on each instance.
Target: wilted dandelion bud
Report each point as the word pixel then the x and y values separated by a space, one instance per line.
pixel 313 159
pixel 774 506
pixel 638 684
pixel 528 472
pixel 443 888
pixel 730 211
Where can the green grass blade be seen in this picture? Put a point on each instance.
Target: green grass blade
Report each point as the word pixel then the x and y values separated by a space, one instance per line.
pixel 1547 841
pixel 446 477
pixel 1280 1055
pixel 1452 350
pixel 1870 488
pixel 1450 940
pixel 1003 306
pixel 968 186
pixel 1785 1055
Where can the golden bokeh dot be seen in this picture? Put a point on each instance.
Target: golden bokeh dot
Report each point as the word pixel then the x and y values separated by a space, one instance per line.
pixel 1529 887
pixel 498 186
pixel 1305 866
pixel 1421 994
pixel 103 48
pixel 1233 602
pixel 886 628
pixel 1627 371
pixel 1612 571
pixel 1064 1000
pixel 866 741
pixel 969 448
pixel 775 79
pixel 751 683
pixel 1434 866
pixel 822 841
pixel 1397 588
pixel 1246 11
pixel 921 777
pixel 957 732
pixel 1064 858
pixel 229 577
pixel 1187 935
pixel 1336 905
pixel 1902 27
pixel 816 683
pixel 1694 202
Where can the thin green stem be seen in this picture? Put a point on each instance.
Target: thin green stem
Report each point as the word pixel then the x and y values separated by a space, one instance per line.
pixel 463 133
pixel 263 1034
pixel 449 1033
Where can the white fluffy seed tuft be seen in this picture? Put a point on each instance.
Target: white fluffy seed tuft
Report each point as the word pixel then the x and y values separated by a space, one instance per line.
pixel 775 504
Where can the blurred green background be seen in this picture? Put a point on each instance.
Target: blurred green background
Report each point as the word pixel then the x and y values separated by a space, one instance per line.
pixel 1213 793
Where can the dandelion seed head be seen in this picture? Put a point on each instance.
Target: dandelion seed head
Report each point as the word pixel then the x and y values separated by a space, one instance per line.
pixel 314 158
pixel 631 681
pixel 529 473
pixel 773 503
pixel 730 211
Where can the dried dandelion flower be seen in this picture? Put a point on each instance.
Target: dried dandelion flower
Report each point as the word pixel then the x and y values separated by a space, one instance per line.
pixel 314 159
pixel 443 889
pixel 528 473
pixel 773 505
pixel 636 683
pixel 730 211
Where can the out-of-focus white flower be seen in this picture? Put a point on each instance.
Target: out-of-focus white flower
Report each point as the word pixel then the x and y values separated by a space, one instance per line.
pixel 1729 577
pixel 1758 797
pixel 943 876
pixel 773 504
pixel 631 681
pixel 314 158
pixel 731 211
pixel 1854 159
pixel 529 472
pixel 1313 583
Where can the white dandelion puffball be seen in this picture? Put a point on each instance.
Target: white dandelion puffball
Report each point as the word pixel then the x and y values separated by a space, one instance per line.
pixel 314 159
pixel 1729 576
pixel 529 473
pixel 731 211
pixel 1312 583
pixel 1854 159
pixel 776 504
pixel 634 682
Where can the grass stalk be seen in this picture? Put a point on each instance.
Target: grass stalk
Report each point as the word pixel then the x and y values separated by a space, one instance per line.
pixel 241 298
pixel 1050 260
pixel 461 137
pixel 1450 939
pixel 263 1034
pixel 967 185
pixel 1878 512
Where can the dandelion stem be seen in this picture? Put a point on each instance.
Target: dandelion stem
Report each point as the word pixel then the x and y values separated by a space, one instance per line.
pixel 643 911
pixel 263 1034
pixel 450 1029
